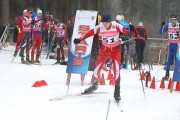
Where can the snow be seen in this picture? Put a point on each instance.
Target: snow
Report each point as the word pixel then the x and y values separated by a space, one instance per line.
pixel 20 101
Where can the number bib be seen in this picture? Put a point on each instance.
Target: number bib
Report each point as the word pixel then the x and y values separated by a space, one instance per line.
pixel 172 33
pixel 110 38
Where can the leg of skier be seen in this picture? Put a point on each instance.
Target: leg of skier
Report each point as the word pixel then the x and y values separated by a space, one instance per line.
pixel 103 56
pixel 116 58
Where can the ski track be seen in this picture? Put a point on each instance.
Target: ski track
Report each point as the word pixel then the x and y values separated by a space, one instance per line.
pixel 20 101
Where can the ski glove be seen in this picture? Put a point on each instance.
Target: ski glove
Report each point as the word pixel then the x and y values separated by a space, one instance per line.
pixel 132 28
pixel 32 22
pixel 77 41
pixel 162 24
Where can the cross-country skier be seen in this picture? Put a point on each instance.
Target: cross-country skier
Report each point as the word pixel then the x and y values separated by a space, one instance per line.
pixel 140 38
pixel 37 36
pixel 123 37
pixel 20 31
pixel 110 48
pixel 26 36
pixel 176 75
pixel 173 40
pixel 61 34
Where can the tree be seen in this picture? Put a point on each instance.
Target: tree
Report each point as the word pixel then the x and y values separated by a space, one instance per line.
pixel 5 12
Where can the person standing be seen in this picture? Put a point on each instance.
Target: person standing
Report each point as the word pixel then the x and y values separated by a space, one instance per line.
pixel 140 38
pixel 37 36
pixel 109 32
pixel 26 37
pixel 61 33
pixel 173 39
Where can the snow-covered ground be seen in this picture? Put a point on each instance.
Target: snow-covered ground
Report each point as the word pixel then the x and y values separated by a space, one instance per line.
pixel 20 101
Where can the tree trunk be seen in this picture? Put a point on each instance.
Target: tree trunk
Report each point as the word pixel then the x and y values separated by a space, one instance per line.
pixel 5 12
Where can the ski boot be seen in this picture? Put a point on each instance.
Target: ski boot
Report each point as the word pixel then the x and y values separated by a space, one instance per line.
pixel 57 62
pixel 136 67
pixel 92 88
pixel 23 61
pixel 166 77
pixel 27 59
pixel 117 96
pixel 15 53
pixel 37 59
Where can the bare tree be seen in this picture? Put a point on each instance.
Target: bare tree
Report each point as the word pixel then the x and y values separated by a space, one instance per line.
pixel 5 12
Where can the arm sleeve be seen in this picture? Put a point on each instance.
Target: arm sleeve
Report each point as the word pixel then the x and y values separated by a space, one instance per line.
pixel 121 29
pixel 165 29
pixel 90 33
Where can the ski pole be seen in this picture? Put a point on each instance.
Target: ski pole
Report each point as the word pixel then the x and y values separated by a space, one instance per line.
pixel 108 109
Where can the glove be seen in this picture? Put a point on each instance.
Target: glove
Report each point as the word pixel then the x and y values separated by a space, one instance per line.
pixel 132 28
pixel 162 24
pixel 77 41
pixel 32 22
pixel 43 19
pixel 177 34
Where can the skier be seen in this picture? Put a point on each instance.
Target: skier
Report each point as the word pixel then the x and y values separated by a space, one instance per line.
pixel 20 31
pixel 110 48
pixel 176 75
pixel 61 33
pixel 37 36
pixel 124 47
pixel 173 40
pixel 140 38
pixel 26 36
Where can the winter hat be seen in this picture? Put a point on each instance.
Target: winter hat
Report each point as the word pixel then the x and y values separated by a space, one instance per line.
pixel 118 17
pixel 39 11
pixel 24 12
pixel 140 24
pixel 173 17
pixel 106 18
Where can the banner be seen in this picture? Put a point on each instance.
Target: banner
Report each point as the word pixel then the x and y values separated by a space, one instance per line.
pixel 79 56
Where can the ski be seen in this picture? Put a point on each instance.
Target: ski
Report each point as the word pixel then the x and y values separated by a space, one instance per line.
pixel 119 106
pixel 76 95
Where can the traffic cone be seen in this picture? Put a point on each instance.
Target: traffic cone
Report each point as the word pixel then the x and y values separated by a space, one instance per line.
pixel 42 83
pixel 109 75
pixel 142 75
pixel 36 84
pixel 162 85
pixel 153 83
pixel 111 80
pixel 177 86
pixel 170 83
pixel 102 80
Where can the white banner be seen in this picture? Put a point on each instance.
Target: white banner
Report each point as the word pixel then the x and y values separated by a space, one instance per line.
pixel 79 56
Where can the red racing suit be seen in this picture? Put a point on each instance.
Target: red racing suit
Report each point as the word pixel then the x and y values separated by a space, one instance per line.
pixel 110 47
pixel 20 31
pixel 37 38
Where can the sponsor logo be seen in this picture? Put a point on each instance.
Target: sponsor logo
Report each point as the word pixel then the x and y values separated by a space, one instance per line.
pixel 109 34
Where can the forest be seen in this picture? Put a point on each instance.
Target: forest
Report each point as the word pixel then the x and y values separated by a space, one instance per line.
pixel 150 12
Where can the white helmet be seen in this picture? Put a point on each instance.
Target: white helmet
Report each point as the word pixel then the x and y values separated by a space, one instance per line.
pixel 140 24
pixel 39 11
pixel 24 12
pixel 118 17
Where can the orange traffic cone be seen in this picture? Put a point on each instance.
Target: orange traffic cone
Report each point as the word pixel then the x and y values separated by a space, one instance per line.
pixel 36 84
pixel 177 86
pixel 162 85
pixel 112 80
pixel 102 80
pixel 170 83
pixel 142 75
pixel 42 83
pixel 109 75
pixel 153 86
